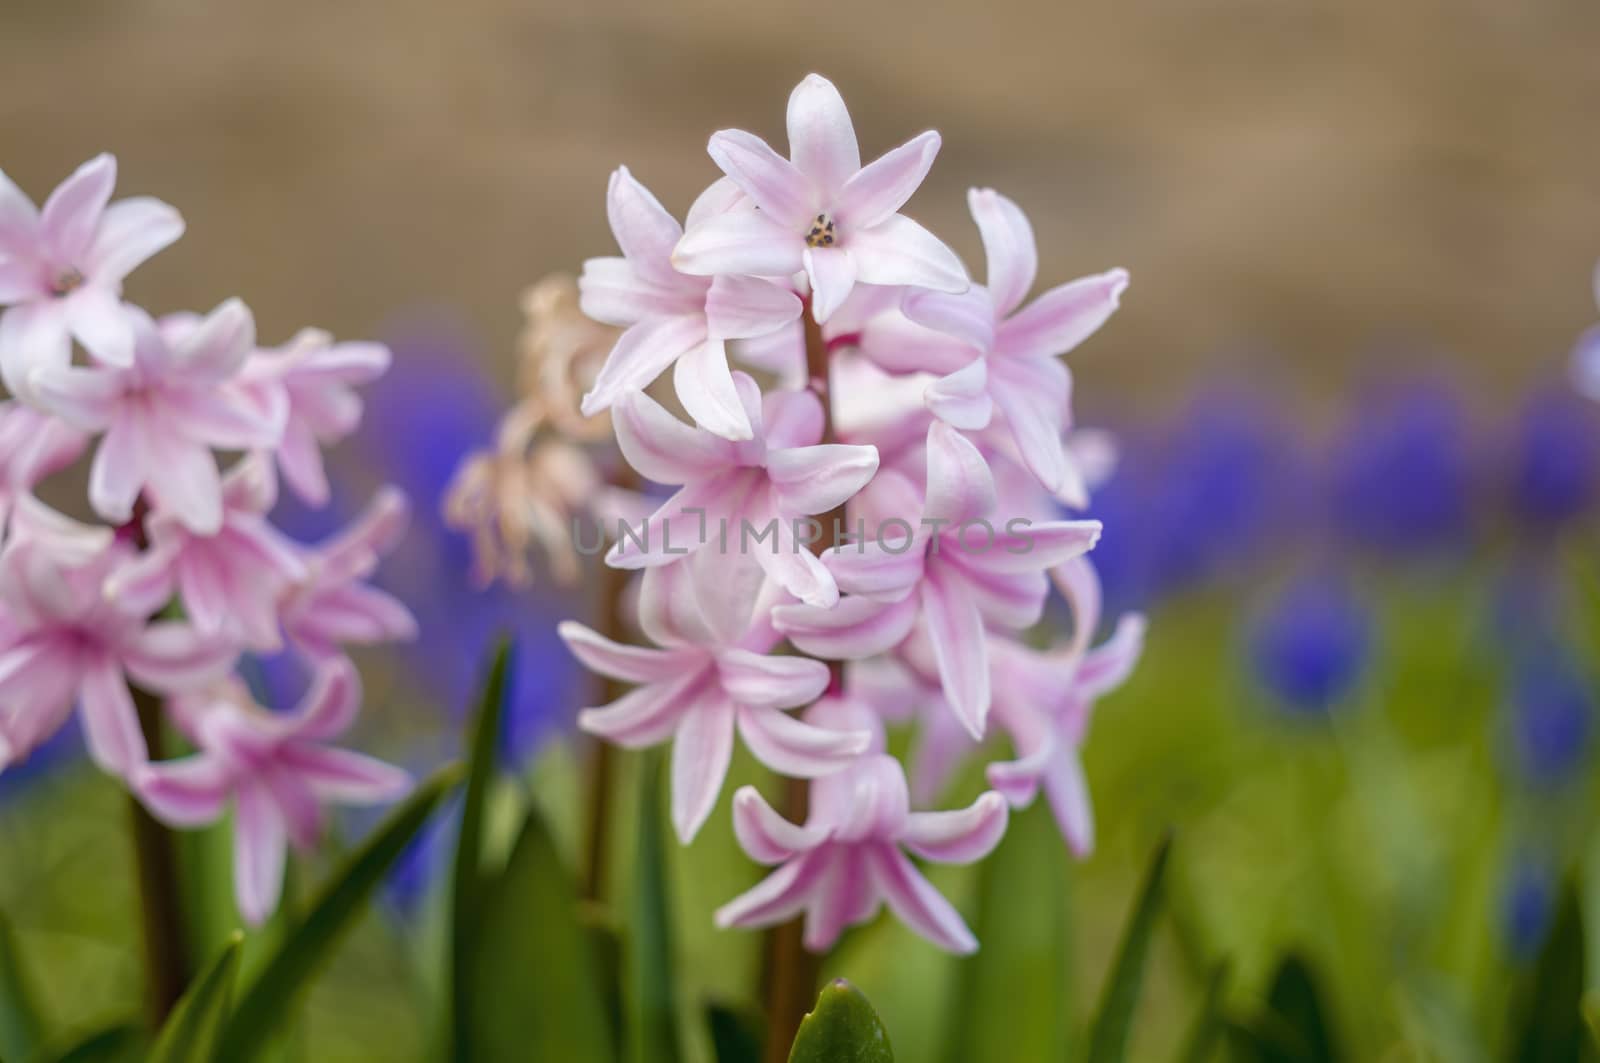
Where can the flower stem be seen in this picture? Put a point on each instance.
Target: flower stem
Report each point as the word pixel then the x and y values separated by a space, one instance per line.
pixel 791 972
pixel 166 951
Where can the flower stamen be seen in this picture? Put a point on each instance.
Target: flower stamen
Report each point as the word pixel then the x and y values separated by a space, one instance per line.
pixel 821 232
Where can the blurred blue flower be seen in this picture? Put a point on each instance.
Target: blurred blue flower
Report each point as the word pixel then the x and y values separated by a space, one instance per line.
pixel 1527 907
pixel 1401 475
pixel 60 749
pixel 1310 646
pixel 1554 458
pixel 1551 715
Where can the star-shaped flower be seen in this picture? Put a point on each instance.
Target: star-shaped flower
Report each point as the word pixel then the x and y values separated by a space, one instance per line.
pixel 820 210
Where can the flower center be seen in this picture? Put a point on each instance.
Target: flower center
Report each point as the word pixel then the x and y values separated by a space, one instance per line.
pixel 821 232
pixel 67 281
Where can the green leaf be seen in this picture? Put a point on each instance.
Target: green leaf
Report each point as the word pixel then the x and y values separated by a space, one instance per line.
pixel 652 1003
pixel 121 1042
pixel 542 996
pixel 1297 1003
pixel 1211 1024
pixel 1548 1024
pixel 21 1028
pixel 286 974
pixel 1012 999
pixel 1108 1036
pixel 191 1032
pixel 842 1028
pixel 735 1034
pixel 469 878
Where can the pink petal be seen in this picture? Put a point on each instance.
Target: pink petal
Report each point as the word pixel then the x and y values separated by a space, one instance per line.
pixel 720 197
pixel 968 315
pixel 791 419
pixel 899 251
pixel 960 837
pixel 818 479
pixel 1011 599
pixel 224 418
pixel 110 722
pixel 687 521
pixel 799 750
pixel 956 633
pixel 219 345
pixel 877 191
pixel 670 609
pixel 1025 547
pixel 1079 584
pixel 785 558
pixel 208 600
pixel 780 895
pixel 941 745
pixel 86 398
pixel 640 355
pixel 260 844
pixel 643 228
pixel 331 705
pixel 765 836
pixel 342 776
pixel 170 656
pixel 130 232
pixel 843 894
pixel 960 485
pixel 1068 792
pixel 854 629
pixel 187 484
pixel 741 241
pixel 1033 399
pixel 877 568
pixel 705 386
pixel 642 717
pixel 1034 737
pixel 664 449
pixel 832 271
pixel 896 344
pixel 917 903
pixel 728 591
pixel 72 213
pixel 781 191
pixel 1009 245
pixel 102 324
pixel 631 664
pixel 32 336
pixel 701 751
pixel 1063 317
pixel 770 682
pixel 300 460
pixel 21 280
pixel 747 307
pixel 822 139
pixel 185 793
pixel 961 400
pixel 145 584
pixel 1108 666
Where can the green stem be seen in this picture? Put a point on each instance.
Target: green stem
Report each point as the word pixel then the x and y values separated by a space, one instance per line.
pixel 166 951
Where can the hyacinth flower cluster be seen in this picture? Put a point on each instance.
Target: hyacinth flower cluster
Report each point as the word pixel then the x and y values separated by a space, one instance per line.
pixel 871 499
pixel 151 613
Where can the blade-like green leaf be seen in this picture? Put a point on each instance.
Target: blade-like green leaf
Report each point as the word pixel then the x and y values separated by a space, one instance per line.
pixel 1295 1000
pixel 1210 1024
pixel 261 1010
pixel 1012 1000
pixel 842 1028
pixel 1548 1025
pixel 121 1042
pixel 1108 1037
pixel 652 1004
pixel 541 997
pixel 735 1034
pixel 469 879
pixel 21 1028
pixel 191 1032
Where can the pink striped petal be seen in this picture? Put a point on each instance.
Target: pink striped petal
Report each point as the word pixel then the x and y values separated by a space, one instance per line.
pixel 1062 317
pixel 741 241
pixel 786 559
pixel 748 307
pixel 899 251
pixel 631 664
pixel 1068 792
pixel 333 702
pixel 961 399
pixel 102 324
pixel 879 569
pixel 791 419
pixel 218 345
pixel 781 191
pixel 645 716
pixel 765 836
pixel 185 793
pixel 1008 244
pixel 818 479
pixel 959 642
pixel 170 656
pixel 260 845
pixel 1020 546
pixel 705 386
pixel 701 751
pixel 1108 666
pixel 720 197
pixel 641 354
pixel 832 271
pixel 643 228
pixel 687 521
pixel 71 215
pixel 110 722
pixel 822 139
pixel 960 485
pixel 32 336
pixel 342 776
pixel 882 187
pixel 770 682
pixel 779 896
pixel 960 837
pixel 968 316
pixel 853 630
pixel 664 449
pixel 130 232
pixel 796 749
pixel 917 904
pixel 844 894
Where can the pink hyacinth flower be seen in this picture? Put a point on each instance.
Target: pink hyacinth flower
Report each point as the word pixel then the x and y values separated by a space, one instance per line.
pixel 230 583
pixel 820 210
pixel 315 378
pixel 733 493
pixel 1586 355
pixel 67 643
pixel 334 605
pixel 961 567
pixel 1018 370
pixel 61 270
pixel 32 446
pixel 847 860
pixel 711 676
pixel 672 318
pixel 164 414
pixel 276 770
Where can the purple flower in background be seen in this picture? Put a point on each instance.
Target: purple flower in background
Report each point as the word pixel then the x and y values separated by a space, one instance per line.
pixel 1526 907
pixel 1402 473
pixel 1551 716
pixel 1554 459
pixel 1311 645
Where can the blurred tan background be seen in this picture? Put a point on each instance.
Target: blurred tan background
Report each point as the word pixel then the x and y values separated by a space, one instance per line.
pixel 1289 178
